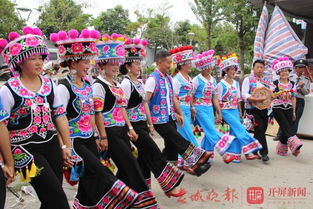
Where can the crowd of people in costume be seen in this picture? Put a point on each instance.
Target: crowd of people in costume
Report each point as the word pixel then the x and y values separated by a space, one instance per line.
pixel 69 129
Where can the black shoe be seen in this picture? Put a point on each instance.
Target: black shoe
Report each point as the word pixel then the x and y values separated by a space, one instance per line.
pixel 202 169
pixel 265 158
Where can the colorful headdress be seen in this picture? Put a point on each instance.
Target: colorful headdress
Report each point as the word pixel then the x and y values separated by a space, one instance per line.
pixel 111 48
pixel 282 63
pixel 230 60
pixel 21 47
pixel 74 46
pixel 205 60
pixel 135 49
pixel 182 55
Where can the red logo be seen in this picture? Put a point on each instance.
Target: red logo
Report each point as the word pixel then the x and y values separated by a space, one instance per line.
pixel 255 195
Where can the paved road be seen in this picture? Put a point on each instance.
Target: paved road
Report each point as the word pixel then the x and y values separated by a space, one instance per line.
pixel 283 183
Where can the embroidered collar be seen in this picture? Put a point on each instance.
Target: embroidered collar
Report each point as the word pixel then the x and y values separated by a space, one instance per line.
pixel 183 78
pixel 206 80
pixel 17 86
pixel 228 84
pixel 108 83
pixel 162 75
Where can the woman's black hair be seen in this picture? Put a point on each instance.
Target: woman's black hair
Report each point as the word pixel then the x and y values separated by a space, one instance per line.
pixel 67 63
pixel 223 73
pixel 123 69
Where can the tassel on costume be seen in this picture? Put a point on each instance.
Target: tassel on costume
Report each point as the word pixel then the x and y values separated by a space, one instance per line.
pixel 22 176
pixel 27 175
pixel 33 170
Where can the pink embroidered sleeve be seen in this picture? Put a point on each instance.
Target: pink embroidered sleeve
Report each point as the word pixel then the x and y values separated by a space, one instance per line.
pixel 98 104
pixel 58 111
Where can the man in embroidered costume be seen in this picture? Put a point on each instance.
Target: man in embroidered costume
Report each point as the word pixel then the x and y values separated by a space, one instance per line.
pixel 260 117
pixel 163 104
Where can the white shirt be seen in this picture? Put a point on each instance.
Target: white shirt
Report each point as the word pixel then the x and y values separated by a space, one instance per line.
pixel 64 95
pixel 8 102
pixel 150 86
pixel 220 88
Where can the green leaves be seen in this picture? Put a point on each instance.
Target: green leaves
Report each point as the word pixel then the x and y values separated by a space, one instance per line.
pixel 9 19
pixel 62 15
pixel 113 20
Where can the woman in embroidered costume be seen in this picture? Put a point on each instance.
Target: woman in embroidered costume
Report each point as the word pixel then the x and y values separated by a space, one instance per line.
pixel 205 96
pixel 229 99
pixel 98 187
pixel 6 159
pixel 110 102
pixel 165 110
pixel 150 157
pixel 36 113
pixel 284 107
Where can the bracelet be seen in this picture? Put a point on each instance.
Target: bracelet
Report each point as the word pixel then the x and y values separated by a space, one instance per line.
pixel 1 164
pixel 150 125
pixel 103 137
pixel 65 147
pixel 130 128
pixel 193 108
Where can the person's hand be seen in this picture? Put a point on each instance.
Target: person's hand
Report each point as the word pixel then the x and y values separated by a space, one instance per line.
pixel 180 120
pixel 193 113
pixel 103 145
pixel 151 130
pixel 219 117
pixel 300 84
pixel 67 157
pixel 9 175
pixel 294 117
pixel 262 98
pixel 132 135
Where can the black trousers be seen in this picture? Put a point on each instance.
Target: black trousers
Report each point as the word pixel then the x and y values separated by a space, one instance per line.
pixel 284 119
pixel 299 111
pixel 261 120
pixel 174 143
pixel 98 179
pixel 48 184
pixel 120 151
pixel 2 190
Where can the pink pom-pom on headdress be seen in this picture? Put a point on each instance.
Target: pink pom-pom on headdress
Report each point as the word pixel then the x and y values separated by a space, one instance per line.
pixel 13 35
pixel 54 37
pixel 95 34
pixel 85 33
pixel 211 52
pixel 3 44
pixel 144 43
pixel 37 31
pixel 62 35
pixel 136 41
pixel 274 63
pixel 27 30
pixel 114 36
pixel 128 41
pixel 73 34
pixel 285 58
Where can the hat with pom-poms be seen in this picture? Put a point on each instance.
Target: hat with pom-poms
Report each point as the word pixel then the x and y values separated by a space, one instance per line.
pixel 75 46
pixel 205 60
pixel 21 47
pixel 281 64
pixel 229 60
pixel 111 49
pixel 135 49
pixel 182 55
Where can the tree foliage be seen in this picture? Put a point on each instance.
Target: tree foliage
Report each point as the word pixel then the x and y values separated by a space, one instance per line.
pixel 62 15
pixel 9 19
pixel 113 20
